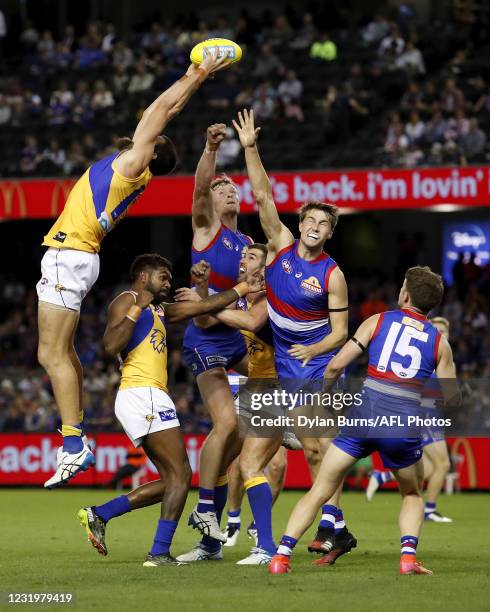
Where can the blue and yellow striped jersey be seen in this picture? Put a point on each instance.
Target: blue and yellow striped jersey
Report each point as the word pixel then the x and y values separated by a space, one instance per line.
pixel 98 201
pixel 144 360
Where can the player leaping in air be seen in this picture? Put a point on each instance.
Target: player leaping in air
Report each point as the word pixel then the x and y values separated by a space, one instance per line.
pixel 136 331
pixel 307 303
pixel 70 266
pixel 403 348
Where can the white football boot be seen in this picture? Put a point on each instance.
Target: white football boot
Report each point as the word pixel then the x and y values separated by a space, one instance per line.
pixel 207 524
pixel 257 556
pixel 69 465
pixel 201 553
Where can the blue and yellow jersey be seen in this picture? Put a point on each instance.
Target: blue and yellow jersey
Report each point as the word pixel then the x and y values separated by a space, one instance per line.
pixel 259 346
pixel 144 360
pixel 98 201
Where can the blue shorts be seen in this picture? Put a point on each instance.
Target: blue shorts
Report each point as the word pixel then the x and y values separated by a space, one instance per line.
pixel 396 453
pixel 308 379
pixel 430 436
pixel 214 354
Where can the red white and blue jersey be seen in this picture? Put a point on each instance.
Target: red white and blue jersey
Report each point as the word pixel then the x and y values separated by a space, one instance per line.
pixel 402 354
pixel 223 254
pixel 297 299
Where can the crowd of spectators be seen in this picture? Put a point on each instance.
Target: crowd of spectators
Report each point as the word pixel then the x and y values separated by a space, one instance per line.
pixel 67 85
pixel 26 400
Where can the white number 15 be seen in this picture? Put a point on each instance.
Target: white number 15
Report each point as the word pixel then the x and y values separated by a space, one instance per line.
pixel 403 348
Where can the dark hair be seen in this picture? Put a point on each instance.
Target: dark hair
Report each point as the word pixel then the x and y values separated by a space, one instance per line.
pixel 424 287
pixel 222 179
pixel 258 246
pixel 151 261
pixel 330 210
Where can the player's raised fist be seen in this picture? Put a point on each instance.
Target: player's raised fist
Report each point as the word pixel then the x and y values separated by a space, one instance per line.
pixel 200 272
pixel 247 132
pixel 215 135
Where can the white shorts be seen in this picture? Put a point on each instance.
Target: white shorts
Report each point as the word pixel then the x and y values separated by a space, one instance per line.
pixel 144 410
pixel 67 276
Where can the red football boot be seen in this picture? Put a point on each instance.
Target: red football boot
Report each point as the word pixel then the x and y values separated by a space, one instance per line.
pixel 279 564
pixel 410 566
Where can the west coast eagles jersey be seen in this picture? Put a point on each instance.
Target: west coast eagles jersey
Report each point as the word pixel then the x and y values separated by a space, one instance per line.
pixel 144 360
pixel 259 346
pixel 98 201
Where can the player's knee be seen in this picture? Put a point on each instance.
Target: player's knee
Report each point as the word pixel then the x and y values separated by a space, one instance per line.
pixel 249 467
pixel 226 427
pixel 313 455
pixel 442 465
pixel 179 475
pixel 48 357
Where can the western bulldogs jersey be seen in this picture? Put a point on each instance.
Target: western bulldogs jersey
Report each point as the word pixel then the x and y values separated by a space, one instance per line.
pixel 402 353
pixel 297 299
pixel 98 201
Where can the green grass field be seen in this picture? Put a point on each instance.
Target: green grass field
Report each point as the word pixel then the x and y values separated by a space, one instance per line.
pixel 44 549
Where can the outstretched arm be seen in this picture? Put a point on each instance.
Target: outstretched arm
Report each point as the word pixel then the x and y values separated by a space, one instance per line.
pixel 277 233
pixel 133 162
pixel 338 301
pixel 204 217
pixel 180 311
pixel 252 320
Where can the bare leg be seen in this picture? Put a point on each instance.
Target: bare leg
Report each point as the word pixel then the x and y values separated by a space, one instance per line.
pixel 79 370
pixel 167 451
pixel 439 458
pixel 236 489
pixel 412 510
pixel 215 391
pixel 56 330
pixel 276 472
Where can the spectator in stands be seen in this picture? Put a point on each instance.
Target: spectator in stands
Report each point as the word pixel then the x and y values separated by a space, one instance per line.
pixel 303 38
pixel 69 40
pixel 223 29
pixel 62 58
pixel 53 157
pixel 452 98
pixel 76 163
pixel 90 56
pixel 289 92
pixel 392 45
pixel 92 39
pixel 264 104
pixel 29 37
pixel 142 80
pixel 30 155
pixel 429 97
pixel 457 127
pixel 102 97
pixel 473 142
pixel 412 98
pixel 245 98
pixel 122 55
pixel 268 64
pixel 436 128
pixel 46 46
pixel 415 128
pixel 90 147
pixel 374 304
pixel 154 40
pixel 5 110
pixel 120 80
pixel 63 94
pixel 324 48
pixel 483 102
pixel 280 34
pixel 411 60
pixel 58 113
pixel 376 30
pixel 229 151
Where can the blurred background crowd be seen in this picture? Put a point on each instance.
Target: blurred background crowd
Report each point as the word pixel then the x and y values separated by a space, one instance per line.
pixel 345 87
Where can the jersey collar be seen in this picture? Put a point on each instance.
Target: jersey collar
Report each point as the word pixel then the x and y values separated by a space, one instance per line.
pixel 320 257
pixel 415 314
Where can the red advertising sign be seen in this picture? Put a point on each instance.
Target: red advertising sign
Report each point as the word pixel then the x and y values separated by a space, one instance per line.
pixel 355 189
pixel 30 459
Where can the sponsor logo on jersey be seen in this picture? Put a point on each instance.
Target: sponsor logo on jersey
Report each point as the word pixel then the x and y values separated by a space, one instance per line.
pixel 167 415
pixel 286 266
pixel 60 237
pixel 298 274
pixel 228 243
pixel 158 340
pixel 215 359
pixel 312 285
pixel 413 323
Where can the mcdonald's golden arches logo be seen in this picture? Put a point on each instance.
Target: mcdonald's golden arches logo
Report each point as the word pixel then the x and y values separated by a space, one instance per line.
pixel 469 460
pixel 61 188
pixel 8 190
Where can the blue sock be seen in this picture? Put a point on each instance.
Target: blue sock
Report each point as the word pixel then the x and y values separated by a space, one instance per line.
pixel 220 495
pixel 286 545
pixel 163 537
pixel 383 477
pixel 234 518
pixel 260 499
pixel 72 444
pixel 116 507
pixel 329 513
pixel 206 500
pixel 430 507
pixel 409 545
pixel 339 522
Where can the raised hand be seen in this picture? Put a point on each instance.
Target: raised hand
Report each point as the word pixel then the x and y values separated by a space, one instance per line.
pixel 213 61
pixel 215 135
pixel 184 294
pixel 200 273
pixel 247 132
pixel 144 298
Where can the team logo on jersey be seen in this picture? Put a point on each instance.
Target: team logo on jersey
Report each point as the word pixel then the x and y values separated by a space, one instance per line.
pixel 286 266
pixel 158 340
pixel 228 243
pixel 150 417
pixel 242 304
pixel 254 346
pixel 312 285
